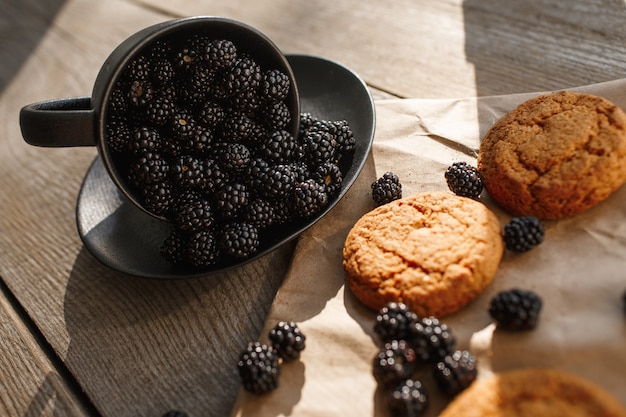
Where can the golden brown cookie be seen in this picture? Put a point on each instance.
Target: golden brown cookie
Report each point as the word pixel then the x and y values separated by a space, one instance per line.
pixel 433 251
pixel 534 392
pixel 555 155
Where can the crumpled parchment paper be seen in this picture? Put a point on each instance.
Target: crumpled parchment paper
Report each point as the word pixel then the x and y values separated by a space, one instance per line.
pixel 579 271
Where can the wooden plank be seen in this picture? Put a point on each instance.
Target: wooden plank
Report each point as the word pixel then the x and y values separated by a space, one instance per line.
pixel 134 346
pixel 449 48
pixel 31 385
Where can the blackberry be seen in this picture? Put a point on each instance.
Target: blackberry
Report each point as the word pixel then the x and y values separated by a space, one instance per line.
pixel 139 69
pixel 188 171
pixel 145 139
pixel 118 135
pixel 174 246
pixel 219 54
pixel 243 75
pixel 234 157
pixel 253 171
pixel 199 143
pixel 259 368
pixel 464 180
pixel 182 124
pixel 202 249
pixel 238 127
pixel 522 234
pixel 213 176
pixel 140 93
pixel 231 199
pixel 395 321
pixel 276 116
pixel 159 111
pixel 163 70
pixel 274 85
pixel 259 213
pixel 239 240
pixel 329 175
pixel 344 136
pixel 196 87
pixel 306 121
pixel 456 372
pixel 432 340
pixel 318 145
pixel 158 198
pixel 211 114
pixel 186 58
pixel 287 340
pixel 118 104
pixel 175 413
pixel 515 309
pixel 309 198
pixel 386 189
pixel 247 102
pixel 277 181
pixel 408 399
pixel 195 215
pixel 149 168
pixel 280 146
pixel 395 362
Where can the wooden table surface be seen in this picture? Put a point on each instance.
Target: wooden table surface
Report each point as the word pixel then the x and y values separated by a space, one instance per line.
pixel 79 339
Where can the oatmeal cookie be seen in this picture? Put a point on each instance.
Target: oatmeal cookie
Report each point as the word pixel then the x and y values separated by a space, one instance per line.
pixel 534 392
pixel 555 155
pixel 433 251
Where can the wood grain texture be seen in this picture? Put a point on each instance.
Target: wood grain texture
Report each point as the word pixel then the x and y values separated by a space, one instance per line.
pixel 140 347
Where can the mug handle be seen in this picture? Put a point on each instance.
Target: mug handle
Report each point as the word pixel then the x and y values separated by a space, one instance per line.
pixel 59 123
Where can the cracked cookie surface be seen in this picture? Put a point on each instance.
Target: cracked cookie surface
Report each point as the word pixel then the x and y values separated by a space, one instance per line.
pixel 555 155
pixel 536 392
pixel 433 251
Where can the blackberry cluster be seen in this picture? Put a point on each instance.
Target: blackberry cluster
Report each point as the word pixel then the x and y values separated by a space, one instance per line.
pixel 200 131
pixel 522 234
pixel 410 342
pixel 464 180
pixel 260 364
pixel 516 309
pixel 386 189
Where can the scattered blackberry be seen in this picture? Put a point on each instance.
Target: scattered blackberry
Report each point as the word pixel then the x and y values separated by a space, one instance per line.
pixel 175 413
pixel 220 54
pixel 231 199
pixel 309 198
pixel 386 189
pixel 259 368
pixel 259 213
pixel 234 157
pixel 408 399
pixel 516 309
pixel 432 340
pixel 174 246
pixel 276 116
pixel 522 234
pixel 456 372
pixel 464 180
pixel 280 146
pixel 195 215
pixel 329 175
pixel 395 321
pixel 145 139
pixel 275 85
pixel 202 249
pixel 239 240
pixel 287 340
pixel 395 362
pixel 149 168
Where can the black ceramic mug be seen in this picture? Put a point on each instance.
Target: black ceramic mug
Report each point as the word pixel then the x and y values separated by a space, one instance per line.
pixel 83 121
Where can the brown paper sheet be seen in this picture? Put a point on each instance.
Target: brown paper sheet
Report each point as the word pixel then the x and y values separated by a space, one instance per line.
pixel 579 271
